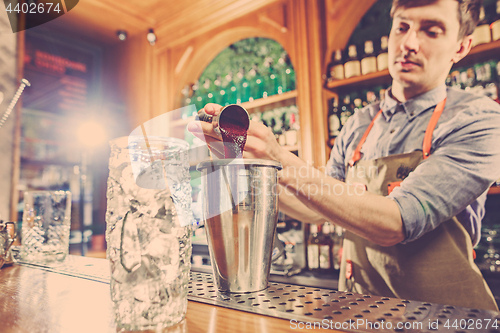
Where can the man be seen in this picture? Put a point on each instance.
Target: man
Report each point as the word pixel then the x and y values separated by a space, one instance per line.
pixel 408 182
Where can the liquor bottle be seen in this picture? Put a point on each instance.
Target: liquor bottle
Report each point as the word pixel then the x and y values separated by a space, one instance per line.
pixel 325 249
pixel 198 96
pixel 447 82
pixel 208 89
pixel 369 61
pixel 219 92
pixel 259 85
pixel 489 84
pixel 334 124
pixel 468 78
pixel 243 87
pixel 230 87
pixel 271 87
pixel 455 79
pixel 337 240
pixel 278 128
pixel 335 70
pixel 290 78
pixel 371 96
pixel 291 125
pixel 495 26
pixel 313 248
pixel 482 33
pixel 346 110
pixel 257 116
pixel 383 56
pixel 381 94
pixel 353 66
pixel 252 82
pixel 269 120
pixel 358 104
pixel 281 68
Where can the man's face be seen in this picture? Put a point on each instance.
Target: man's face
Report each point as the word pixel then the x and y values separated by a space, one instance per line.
pixel 423 45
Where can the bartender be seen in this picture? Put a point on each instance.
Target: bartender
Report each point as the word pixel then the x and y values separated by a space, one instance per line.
pixel 407 178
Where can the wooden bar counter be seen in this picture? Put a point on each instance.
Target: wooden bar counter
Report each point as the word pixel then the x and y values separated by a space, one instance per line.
pixel 73 296
pixel 35 300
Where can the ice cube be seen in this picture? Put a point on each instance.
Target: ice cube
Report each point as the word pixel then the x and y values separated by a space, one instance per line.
pixel 164 251
pixel 130 250
pixel 152 177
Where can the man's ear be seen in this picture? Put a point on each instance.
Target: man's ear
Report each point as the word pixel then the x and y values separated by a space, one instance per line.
pixel 464 48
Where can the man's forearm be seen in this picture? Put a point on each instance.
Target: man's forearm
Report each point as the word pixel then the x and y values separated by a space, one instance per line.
pixel 370 216
pixel 293 207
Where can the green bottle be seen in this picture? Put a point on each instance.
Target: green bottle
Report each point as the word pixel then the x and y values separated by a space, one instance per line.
pixel 255 82
pixel 271 84
pixel 243 87
pixel 346 110
pixel 208 89
pixel 288 75
pixel 197 98
pixel 219 92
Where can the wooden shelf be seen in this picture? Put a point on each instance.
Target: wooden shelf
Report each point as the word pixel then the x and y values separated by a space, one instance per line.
pixel 478 53
pixel 486 49
pixel 270 100
pixel 30 161
pixel 365 79
pixel 247 105
pixel 494 190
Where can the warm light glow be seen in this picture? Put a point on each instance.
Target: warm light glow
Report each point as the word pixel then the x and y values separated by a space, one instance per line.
pixel 91 134
pixel 151 37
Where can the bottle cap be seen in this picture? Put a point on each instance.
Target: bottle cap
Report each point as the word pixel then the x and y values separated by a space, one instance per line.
pixel 353 52
pixel 338 55
pixel 368 47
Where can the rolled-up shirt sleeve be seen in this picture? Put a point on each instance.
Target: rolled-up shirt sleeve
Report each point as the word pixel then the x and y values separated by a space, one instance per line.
pixel 464 162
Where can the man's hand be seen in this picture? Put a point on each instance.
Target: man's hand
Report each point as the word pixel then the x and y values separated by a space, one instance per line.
pixel 260 143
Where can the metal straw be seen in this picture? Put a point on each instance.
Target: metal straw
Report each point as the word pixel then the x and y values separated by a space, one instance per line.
pixel 13 103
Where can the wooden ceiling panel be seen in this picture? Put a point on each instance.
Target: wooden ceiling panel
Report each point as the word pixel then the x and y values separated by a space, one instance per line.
pixel 173 20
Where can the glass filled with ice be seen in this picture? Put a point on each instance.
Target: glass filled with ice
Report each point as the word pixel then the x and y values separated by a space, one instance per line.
pixel 46 226
pixel 149 231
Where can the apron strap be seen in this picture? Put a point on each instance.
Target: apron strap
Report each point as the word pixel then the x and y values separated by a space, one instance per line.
pixel 426 147
pixel 357 153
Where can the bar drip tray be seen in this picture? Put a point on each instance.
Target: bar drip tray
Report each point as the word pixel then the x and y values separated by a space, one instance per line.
pixel 344 311
pixel 304 306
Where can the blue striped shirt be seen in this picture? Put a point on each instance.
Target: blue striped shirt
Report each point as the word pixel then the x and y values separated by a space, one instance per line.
pixel 464 161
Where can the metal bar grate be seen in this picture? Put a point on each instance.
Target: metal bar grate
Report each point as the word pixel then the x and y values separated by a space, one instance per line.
pixel 344 310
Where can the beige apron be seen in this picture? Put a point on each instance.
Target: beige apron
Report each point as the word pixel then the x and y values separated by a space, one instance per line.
pixel 438 267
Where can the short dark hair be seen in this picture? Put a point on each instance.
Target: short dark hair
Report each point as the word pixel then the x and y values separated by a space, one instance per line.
pixel 468 12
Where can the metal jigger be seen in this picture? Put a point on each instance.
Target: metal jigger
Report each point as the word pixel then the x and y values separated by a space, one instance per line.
pixel 232 113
